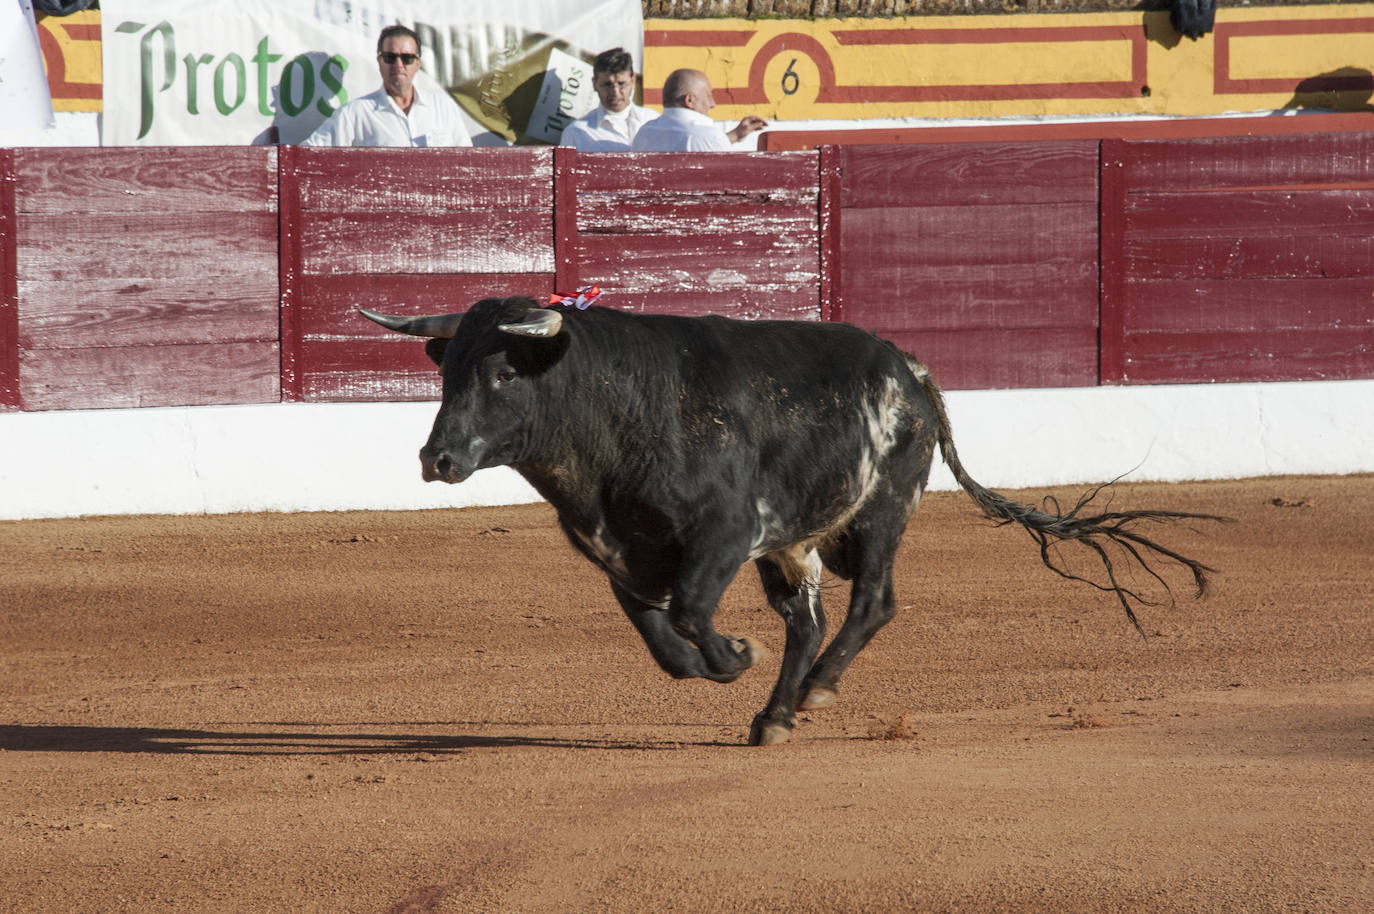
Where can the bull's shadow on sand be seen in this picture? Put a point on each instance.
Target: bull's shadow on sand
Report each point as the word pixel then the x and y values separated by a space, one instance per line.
pixel 297 739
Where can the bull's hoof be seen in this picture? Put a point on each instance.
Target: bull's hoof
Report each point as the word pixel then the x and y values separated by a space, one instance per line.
pixel 816 697
pixel 769 733
pixel 748 649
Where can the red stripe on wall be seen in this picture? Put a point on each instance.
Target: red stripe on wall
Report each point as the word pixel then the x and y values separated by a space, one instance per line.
pixel 1224 84
pixel 706 38
pixel 989 36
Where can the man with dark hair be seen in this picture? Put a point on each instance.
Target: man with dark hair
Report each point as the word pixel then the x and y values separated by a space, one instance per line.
pixel 397 114
pixel 614 123
pixel 685 125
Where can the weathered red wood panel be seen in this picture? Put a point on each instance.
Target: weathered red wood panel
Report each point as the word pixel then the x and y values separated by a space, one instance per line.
pixel 391 367
pixel 1021 357
pixel 124 311
pixel 1312 160
pixel 734 234
pixel 128 376
pixel 990 244
pixel 1245 258
pixel 9 294
pixel 1333 353
pixel 404 231
pixel 146 277
pixel 960 174
pixel 227 179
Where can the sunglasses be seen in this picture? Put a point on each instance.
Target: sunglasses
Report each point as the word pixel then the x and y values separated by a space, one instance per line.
pixel 392 57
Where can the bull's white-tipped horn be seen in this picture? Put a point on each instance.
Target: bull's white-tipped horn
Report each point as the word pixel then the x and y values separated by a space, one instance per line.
pixel 541 322
pixel 436 326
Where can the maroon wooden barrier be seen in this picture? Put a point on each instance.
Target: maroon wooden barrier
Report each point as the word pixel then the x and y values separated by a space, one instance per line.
pixel 716 233
pixel 981 260
pixel 146 277
pixel 9 288
pixel 1238 259
pixel 407 231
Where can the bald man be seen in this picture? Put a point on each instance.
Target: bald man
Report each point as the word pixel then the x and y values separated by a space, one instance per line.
pixel 685 125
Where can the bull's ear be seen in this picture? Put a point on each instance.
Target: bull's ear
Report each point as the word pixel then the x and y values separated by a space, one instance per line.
pixel 435 348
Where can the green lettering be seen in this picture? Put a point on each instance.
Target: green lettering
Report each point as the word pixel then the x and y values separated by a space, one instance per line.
pixel 333 78
pixel 192 80
pixel 289 104
pixel 262 59
pixel 145 55
pixel 241 83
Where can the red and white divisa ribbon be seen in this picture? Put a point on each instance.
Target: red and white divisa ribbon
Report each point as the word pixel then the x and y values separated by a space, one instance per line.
pixel 584 297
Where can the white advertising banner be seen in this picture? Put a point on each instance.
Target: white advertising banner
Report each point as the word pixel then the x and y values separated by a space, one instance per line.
pixel 263 71
pixel 25 103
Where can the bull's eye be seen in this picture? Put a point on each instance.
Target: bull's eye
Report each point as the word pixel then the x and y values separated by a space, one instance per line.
pixel 505 376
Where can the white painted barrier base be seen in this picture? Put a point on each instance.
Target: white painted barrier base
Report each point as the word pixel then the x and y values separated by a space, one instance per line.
pixel 325 457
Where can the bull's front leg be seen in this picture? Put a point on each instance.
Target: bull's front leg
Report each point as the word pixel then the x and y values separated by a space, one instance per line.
pixel 708 565
pixel 677 656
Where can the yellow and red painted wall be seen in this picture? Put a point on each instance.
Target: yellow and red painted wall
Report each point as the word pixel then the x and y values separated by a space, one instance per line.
pixel 1023 65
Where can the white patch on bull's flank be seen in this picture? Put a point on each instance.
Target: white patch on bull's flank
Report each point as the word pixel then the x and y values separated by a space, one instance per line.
pixel 882 416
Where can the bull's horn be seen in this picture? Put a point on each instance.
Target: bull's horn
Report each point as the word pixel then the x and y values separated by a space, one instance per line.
pixel 437 326
pixel 541 322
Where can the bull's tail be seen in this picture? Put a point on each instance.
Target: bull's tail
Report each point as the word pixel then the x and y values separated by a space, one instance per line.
pixel 1050 526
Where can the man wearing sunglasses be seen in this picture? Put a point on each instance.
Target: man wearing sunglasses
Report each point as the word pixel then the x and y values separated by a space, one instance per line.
pixel 397 114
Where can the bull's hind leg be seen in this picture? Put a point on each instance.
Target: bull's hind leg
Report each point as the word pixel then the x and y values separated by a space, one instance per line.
pixel 864 554
pixel 793 589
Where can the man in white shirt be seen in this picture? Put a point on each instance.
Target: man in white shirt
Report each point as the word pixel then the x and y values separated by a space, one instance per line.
pixel 684 125
pixel 397 114
pixel 614 123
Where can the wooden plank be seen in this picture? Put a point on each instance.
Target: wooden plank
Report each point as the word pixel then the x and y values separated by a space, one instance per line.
pixel 1312 159
pixel 120 312
pixel 391 367
pixel 1249 213
pixel 328 305
pixel 970 174
pixel 1114 128
pixel 696 173
pixel 1112 263
pixel 132 376
pixel 713 262
pixel 1228 356
pixel 831 218
pixel 973 297
pixel 509 241
pixel 565 217
pixel 141 180
pixel 423 180
pixel 986 359
pixel 9 287
pixel 798 303
pixel 1299 255
pixel 675 214
pixel 62 248
pixel 289 272
pixel 1239 305
pixel 887 237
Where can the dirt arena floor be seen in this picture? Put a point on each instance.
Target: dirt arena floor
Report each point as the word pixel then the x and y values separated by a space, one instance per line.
pixel 445 711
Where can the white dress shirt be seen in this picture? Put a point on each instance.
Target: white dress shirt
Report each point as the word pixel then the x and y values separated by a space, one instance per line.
pixel 602 131
pixel 681 130
pixel 376 120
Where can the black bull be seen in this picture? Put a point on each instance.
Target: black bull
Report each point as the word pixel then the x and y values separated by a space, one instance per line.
pixel 675 449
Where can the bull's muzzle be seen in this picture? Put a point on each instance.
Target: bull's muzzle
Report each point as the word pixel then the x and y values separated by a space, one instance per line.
pixel 439 466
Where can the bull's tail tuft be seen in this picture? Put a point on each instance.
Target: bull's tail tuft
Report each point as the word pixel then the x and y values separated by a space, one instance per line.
pixel 1049 526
